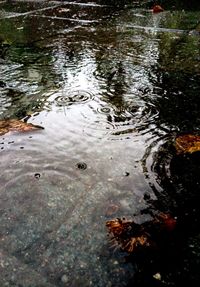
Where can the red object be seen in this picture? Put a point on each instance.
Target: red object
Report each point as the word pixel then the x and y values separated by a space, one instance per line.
pixel 157 9
pixel 169 223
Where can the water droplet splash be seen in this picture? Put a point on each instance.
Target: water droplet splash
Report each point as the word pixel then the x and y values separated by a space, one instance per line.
pixel 37 175
pixel 69 98
pixel 81 165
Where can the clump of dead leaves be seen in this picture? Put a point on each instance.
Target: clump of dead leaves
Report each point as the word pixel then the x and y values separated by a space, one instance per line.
pixel 132 237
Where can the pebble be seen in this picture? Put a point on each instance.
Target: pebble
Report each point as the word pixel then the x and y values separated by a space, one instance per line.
pixel 64 278
pixel 157 276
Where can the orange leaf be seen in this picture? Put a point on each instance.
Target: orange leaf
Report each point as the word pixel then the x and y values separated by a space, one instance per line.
pixel 187 143
pixel 16 126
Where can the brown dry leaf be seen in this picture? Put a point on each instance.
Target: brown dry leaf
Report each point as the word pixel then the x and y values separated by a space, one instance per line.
pixel 187 143
pixel 132 237
pixel 133 243
pixel 16 126
pixel 117 226
pixel 127 235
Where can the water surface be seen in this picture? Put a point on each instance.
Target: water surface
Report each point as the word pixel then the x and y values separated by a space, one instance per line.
pixel 112 87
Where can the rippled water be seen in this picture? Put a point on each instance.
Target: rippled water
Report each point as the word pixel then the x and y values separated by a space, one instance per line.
pixel 112 87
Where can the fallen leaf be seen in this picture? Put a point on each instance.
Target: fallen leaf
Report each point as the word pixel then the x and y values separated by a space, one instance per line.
pixel 16 126
pixel 127 235
pixel 117 226
pixel 187 144
pixel 166 221
pixel 132 237
pixel 157 9
pixel 133 244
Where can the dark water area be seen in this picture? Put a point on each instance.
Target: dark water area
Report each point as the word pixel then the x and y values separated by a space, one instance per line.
pixel 113 86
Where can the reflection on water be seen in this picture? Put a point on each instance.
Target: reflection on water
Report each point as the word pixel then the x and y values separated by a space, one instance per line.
pixel 112 87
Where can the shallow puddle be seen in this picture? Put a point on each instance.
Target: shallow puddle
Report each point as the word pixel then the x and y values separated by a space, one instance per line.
pixel 112 87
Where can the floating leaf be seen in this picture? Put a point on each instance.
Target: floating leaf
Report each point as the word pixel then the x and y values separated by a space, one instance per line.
pixel 16 126
pixel 187 143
